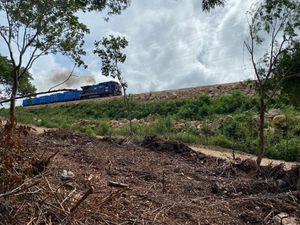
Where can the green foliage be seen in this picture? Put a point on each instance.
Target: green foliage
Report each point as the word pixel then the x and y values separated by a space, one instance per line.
pixel 207 5
pixel 275 23
pixel 189 109
pixel 296 130
pixel 88 130
pixel 6 78
pixel 162 125
pixel 109 49
pixel 186 137
pixel 287 149
pixel 103 128
pixel 288 69
pixel 221 140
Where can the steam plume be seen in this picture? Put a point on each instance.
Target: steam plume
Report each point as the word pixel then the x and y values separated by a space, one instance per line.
pixel 75 81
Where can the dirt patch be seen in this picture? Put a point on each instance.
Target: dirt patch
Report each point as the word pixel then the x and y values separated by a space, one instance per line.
pixel 155 143
pixel 167 184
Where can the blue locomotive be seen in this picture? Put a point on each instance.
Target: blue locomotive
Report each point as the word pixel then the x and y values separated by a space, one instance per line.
pixel 105 89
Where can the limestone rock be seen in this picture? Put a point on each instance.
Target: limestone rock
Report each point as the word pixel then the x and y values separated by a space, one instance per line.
pixel 150 118
pixel 279 121
pixel 284 219
pixel 273 112
pixel 67 175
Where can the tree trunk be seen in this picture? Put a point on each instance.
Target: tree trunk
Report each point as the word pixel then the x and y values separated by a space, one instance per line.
pixel 12 110
pixel 128 109
pixel 261 130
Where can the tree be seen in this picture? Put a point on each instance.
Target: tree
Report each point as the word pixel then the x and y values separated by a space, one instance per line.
pixel 109 49
pixel 25 86
pixel 288 69
pixel 35 28
pixel 274 24
pixel 207 5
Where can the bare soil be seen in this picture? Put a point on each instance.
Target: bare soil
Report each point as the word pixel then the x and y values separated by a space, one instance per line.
pixel 168 183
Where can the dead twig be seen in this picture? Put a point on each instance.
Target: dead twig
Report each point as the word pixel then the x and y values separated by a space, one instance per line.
pixel 163 182
pixel 268 216
pixel 54 193
pixel 31 220
pixel 162 209
pixel 69 195
pixel 90 191
pixel 110 197
pixel 117 184
pixel 18 189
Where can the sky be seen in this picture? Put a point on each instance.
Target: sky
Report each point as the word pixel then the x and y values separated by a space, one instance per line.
pixel 172 44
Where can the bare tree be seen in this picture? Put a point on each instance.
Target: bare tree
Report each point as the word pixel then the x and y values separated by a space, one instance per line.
pixel 273 24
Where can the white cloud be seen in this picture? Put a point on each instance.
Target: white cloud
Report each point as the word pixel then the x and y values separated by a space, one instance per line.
pixel 172 44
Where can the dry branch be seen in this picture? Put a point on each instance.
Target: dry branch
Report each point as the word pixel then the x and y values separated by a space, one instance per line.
pixel 90 191
pixel 117 184
pixel 18 189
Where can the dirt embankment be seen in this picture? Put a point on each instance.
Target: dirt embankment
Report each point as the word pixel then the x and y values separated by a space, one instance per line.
pixel 168 183
pixel 193 92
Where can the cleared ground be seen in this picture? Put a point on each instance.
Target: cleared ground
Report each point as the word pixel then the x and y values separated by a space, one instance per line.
pixel 167 184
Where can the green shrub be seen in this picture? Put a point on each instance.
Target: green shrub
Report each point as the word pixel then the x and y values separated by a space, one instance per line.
pixel 222 141
pixel 103 128
pixel 185 137
pixel 162 125
pixel 288 150
pixel 296 130
pixel 88 130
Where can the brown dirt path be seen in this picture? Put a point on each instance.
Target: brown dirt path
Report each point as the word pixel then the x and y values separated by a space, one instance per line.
pixel 227 154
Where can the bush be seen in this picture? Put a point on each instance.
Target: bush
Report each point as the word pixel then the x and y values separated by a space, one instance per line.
pixel 288 150
pixel 162 125
pixel 186 137
pixel 222 141
pixel 103 128
pixel 88 130
pixel 296 130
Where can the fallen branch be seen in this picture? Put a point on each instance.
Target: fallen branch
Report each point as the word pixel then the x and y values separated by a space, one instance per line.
pixel 18 189
pixel 90 191
pixel 111 196
pixel 117 184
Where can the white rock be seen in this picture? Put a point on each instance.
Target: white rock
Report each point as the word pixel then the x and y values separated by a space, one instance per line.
pixel 273 112
pixel 66 175
pixel 284 219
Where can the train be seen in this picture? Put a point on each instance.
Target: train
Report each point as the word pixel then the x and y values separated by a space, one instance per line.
pixel 104 89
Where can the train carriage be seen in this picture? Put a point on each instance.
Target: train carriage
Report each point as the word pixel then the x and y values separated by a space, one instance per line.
pixel 110 88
